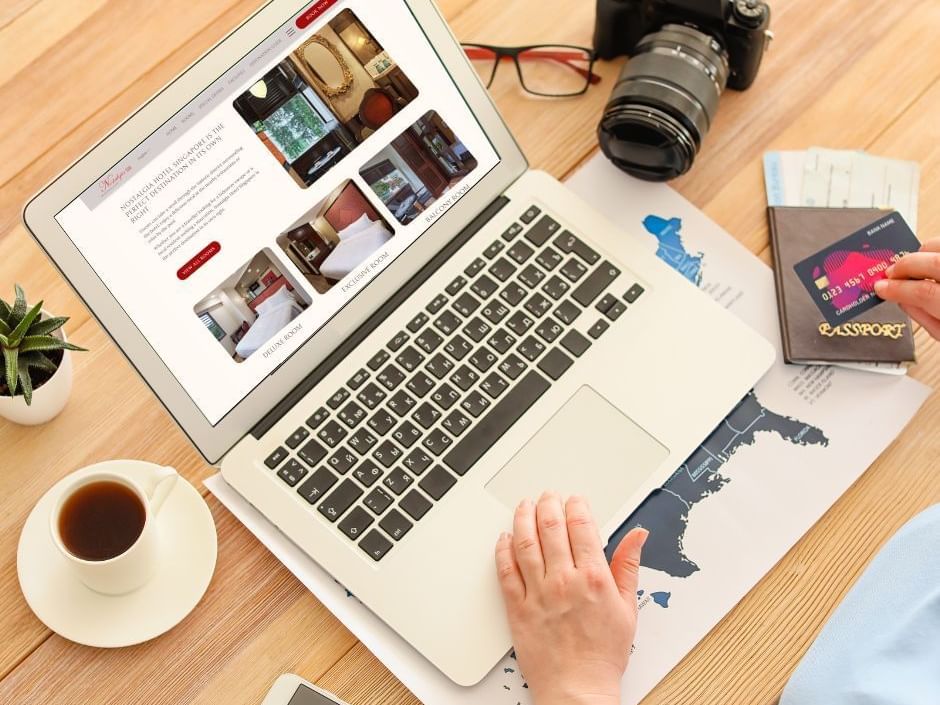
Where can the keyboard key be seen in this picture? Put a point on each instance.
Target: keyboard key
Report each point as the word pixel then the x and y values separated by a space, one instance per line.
pixel 495 311
pixel 555 363
pixel 395 525
pixel 319 416
pixel 493 385
pixel 437 304
pixel 568 243
pixel 420 384
pixel 520 252
pixel 437 482
pixel 332 433
pixel 296 438
pixel 548 330
pixel 633 293
pixel 447 322
pixel 318 484
pixel 415 504
pixel 358 379
pixel 312 452
pixel 484 287
pixel 511 232
pixel 573 270
pixel 292 472
pixel 399 339
pixel 567 312
pixel 338 398
pixel 606 301
pixel 575 343
pixel 482 359
pixel 426 415
pixel 381 422
pixel 519 323
pixel 501 341
pixel 410 358
pixel 502 269
pixel 615 311
pixel 417 461
pixel 513 294
pixel 491 427
pixel 375 545
pixel 398 480
pixel 512 366
pixel 464 377
pixel 539 233
pixel 352 414
pixel 339 500
pixel 556 287
pixel 367 472
pixel 475 403
pixel 445 396
pixel 437 441
pixel 466 304
pixel 530 214
pixel 276 458
pixel 401 403
pixel 371 395
pixel 390 377
pixel 598 329
pixel 378 500
pixel 549 258
pixel 362 441
pixel 439 366
pixel 474 268
pixel 407 434
pixel 456 285
pixel 597 281
pixel 377 360
pixel 458 347
pixel 355 523
pixel 429 341
pixel 477 329
pixel 531 348
pixel 417 323
pixel 494 249
pixel 387 454
pixel 531 276
pixel 342 460
pixel 538 305
pixel 456 423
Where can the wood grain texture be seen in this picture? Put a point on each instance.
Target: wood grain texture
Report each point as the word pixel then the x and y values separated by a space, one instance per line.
pixel 843 74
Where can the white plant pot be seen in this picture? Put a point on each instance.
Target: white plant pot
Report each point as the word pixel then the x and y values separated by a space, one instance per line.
pixel 48 400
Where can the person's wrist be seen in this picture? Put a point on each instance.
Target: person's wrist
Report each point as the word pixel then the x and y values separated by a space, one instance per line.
pixel 589 689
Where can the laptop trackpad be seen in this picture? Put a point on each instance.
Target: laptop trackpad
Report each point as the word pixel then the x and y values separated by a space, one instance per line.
pixel 589 447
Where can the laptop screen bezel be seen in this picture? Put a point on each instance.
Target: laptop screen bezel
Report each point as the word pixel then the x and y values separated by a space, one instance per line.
pixel 39 215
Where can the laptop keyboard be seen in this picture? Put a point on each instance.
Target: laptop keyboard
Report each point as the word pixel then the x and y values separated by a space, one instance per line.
pixel 429 404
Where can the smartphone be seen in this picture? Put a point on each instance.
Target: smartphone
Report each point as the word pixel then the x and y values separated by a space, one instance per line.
pixel 294 690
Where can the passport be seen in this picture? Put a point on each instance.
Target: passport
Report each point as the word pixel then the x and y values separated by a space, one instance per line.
pixel 869 329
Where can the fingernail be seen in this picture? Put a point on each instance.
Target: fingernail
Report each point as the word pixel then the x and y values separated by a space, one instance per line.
pixel 644 534
pixel 881 285
pixel 889 270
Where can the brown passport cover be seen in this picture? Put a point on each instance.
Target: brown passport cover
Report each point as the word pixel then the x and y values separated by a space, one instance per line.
pixel 795 234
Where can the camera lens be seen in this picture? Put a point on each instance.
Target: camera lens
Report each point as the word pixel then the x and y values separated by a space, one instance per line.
pixel 664 102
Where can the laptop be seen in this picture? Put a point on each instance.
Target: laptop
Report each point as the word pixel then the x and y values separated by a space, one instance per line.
pixel 325 254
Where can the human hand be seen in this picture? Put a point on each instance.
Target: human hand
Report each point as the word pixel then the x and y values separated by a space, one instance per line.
pixel 573 617
pixel 912 283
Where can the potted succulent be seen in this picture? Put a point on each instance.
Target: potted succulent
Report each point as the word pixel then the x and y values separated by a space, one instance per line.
pixel 36 376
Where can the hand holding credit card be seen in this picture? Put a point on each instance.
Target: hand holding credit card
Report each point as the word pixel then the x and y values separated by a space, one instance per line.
pixel 841 278
pixel 913 283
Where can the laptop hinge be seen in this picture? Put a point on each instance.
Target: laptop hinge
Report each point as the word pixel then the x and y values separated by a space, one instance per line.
pixel 383 312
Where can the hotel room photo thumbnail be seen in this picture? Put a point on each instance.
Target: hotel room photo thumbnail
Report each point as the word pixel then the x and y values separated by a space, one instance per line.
pixel 418 167
pixel 251 306
pixel 325 98
pixel 335 237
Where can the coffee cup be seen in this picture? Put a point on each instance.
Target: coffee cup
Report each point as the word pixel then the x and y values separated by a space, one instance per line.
pixel 104 525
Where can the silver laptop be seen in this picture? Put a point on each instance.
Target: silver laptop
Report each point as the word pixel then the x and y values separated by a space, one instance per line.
pixel 322 249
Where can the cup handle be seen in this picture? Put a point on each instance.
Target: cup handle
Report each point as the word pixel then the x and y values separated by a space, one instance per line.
pixel 159 487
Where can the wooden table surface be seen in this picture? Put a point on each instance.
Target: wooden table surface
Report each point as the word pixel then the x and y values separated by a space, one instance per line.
pixel 850 74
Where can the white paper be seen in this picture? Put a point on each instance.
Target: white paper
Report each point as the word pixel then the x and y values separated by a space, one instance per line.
pixel 765 492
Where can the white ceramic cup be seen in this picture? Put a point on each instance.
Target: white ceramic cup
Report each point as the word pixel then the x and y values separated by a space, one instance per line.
pixel 131 569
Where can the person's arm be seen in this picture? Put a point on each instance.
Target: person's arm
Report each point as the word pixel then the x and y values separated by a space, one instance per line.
pixel 912 283
pixel 573 617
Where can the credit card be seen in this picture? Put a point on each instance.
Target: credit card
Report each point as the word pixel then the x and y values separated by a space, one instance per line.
pixel 841 278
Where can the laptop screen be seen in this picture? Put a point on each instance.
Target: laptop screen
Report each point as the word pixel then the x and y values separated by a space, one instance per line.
pixel 240 227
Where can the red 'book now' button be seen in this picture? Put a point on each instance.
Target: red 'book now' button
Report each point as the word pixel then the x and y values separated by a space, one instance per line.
pixel 207 253
pixel 312 12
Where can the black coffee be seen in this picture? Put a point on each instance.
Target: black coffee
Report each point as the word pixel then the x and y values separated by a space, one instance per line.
pixel 101 520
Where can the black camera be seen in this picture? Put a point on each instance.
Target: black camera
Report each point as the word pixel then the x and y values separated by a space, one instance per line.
pixel 684 53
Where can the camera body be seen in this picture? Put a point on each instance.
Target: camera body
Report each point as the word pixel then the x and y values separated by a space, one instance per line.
pixel 739 26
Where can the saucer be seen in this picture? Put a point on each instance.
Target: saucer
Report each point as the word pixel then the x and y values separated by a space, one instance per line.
pixel 188 547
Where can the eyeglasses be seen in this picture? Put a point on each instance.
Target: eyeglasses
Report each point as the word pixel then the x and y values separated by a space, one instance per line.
pixel 551 70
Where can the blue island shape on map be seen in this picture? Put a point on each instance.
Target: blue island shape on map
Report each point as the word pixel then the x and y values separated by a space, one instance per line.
pixel 671 250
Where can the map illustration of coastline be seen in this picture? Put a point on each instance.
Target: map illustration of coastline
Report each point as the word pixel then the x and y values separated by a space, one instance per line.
pixel 666 511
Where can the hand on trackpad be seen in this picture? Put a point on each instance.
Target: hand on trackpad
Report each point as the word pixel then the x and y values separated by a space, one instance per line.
pixel 589 447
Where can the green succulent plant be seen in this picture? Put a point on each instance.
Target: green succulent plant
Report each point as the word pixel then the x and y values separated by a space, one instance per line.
pixel 26 338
